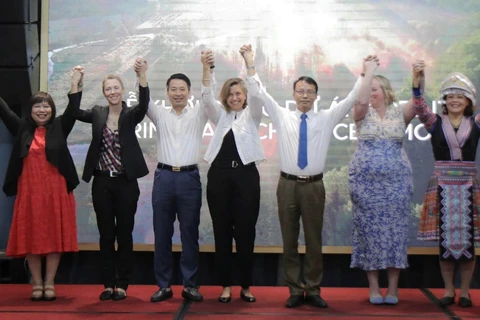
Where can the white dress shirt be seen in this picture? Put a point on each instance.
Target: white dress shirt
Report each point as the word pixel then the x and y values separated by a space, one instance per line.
pixel 287 123
pixel 244 125
pixel 179 137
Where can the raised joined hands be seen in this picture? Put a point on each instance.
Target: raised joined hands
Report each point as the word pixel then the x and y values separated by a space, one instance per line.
pixel 418 74
pixel 77 75
pixel 207 58
pixel 140 66
pixel 247 52
pixel 370 63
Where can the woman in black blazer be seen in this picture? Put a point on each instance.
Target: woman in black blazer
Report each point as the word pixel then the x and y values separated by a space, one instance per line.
pixel 42 175
pixel 115 160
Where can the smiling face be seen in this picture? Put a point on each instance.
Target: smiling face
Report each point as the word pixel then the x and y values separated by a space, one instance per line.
pixel 456 103
pixel 41 113
pixel 237 97
pixel 304 95
pixel 113 90
pixel 377 96
pixel 178 93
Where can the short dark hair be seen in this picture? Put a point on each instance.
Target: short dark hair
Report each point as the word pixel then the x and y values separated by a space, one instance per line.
pixel 40 97
pixel 307 80
pixel 179 76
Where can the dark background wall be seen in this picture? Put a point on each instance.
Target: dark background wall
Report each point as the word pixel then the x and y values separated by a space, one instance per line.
pixel 84 268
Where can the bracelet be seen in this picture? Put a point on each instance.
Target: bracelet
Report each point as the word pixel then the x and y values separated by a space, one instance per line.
pixel 362 74
pixel 251 67
pixel 206 79
pixel 212 66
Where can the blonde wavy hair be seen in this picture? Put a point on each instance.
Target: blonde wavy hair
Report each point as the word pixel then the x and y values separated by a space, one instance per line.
pixel 387 89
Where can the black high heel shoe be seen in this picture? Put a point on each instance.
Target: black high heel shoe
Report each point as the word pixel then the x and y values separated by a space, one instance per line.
pixel 246 298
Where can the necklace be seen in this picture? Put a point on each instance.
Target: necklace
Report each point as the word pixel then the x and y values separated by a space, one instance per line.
pixel 456 123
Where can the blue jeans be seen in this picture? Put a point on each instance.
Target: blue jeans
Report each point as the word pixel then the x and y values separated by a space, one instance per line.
pixel 176 194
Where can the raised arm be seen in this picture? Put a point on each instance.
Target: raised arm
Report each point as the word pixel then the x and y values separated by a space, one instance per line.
pixel 151 109
pixel 255 103
pixel 74 97
pixel 408 110
pixel 11 120
pixel 362 104
pixel 83 115
pixel 141 66
pixel 256 90
pixel 213 108
pixel 338 111
pixel 426 116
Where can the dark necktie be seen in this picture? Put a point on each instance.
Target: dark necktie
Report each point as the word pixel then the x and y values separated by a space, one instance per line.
pixel 302 143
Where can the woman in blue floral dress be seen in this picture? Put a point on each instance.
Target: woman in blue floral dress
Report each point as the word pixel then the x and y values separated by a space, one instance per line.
pixel 380 181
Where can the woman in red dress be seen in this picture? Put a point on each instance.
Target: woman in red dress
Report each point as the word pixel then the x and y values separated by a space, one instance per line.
pixel 42 175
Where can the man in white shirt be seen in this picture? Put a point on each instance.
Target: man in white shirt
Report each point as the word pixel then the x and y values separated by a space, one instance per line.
pixel 303 138
pixel 177 191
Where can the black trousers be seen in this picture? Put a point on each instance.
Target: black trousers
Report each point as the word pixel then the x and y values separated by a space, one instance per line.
pixel 115 204
pixel 233 196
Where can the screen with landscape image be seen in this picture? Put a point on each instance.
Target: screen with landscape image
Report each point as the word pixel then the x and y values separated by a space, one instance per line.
pixel 322 39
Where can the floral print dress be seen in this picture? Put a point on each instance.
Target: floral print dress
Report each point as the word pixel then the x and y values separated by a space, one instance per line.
pixel 380 183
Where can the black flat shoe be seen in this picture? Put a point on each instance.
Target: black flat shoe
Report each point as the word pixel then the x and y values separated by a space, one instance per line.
pixel 447 301
pixel 247 298
pixel 119 295
pixel 106 295
pixel 465 302
pixel 225 299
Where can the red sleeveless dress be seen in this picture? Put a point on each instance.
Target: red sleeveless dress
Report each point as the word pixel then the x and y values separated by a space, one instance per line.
pixel 44 213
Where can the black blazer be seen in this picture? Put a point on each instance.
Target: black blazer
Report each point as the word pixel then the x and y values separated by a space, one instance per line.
pixel 132 157
pixel 56 147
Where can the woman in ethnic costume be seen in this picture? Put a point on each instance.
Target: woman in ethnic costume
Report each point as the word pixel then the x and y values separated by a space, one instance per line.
pixel 380 183
pixel 42 175
pixel 116 161
pixel 450 207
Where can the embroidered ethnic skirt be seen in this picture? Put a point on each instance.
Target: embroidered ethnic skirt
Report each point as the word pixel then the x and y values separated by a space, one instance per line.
pixel 450 212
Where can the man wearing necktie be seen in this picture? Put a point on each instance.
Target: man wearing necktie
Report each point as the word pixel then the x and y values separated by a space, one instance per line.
pixel 303 138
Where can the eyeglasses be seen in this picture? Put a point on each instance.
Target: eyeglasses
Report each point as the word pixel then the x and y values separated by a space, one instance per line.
pixel 308 92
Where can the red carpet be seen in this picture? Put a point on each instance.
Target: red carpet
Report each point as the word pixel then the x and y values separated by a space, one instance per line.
pixel 463 313
pixel 84 299
pixel 81 302
pixel 341 301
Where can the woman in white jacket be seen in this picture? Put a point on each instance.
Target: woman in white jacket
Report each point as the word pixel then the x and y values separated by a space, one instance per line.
pixel 233 188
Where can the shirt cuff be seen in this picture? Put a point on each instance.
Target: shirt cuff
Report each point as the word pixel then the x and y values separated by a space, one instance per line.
pixel 206 90
pixel 253 79
pixel 417 92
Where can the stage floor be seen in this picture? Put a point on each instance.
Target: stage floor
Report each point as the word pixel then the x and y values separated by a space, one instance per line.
pixel 81 302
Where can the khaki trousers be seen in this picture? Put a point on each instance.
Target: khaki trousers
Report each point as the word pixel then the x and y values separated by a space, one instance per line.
pixel 306 200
